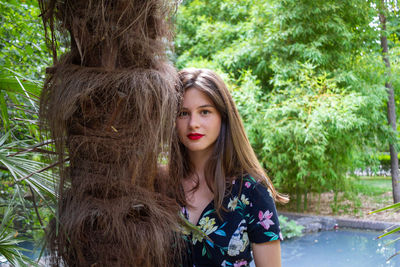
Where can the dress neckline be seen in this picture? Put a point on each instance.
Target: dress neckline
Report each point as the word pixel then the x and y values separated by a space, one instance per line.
pixel 205 210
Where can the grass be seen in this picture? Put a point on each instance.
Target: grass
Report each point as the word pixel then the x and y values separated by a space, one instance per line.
pixel 373 185
pixel 368 193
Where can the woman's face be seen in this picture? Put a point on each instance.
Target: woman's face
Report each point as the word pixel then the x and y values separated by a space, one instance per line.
pixel 199 122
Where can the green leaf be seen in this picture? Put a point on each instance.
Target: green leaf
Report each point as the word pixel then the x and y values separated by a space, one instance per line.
pixel 13 85
pixel 4 111
pixel 9 239
pixel 390 232
pixel 396 205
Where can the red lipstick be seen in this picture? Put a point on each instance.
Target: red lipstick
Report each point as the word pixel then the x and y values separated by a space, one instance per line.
pixel 195 136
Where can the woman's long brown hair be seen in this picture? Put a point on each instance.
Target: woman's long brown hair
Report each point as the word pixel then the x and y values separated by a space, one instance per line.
pixel 109 104
pixel 233 155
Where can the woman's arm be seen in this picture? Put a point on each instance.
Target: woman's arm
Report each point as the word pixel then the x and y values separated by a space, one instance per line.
pixel 267 254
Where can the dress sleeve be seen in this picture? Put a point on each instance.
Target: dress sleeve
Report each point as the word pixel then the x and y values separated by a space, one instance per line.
pixel 262 218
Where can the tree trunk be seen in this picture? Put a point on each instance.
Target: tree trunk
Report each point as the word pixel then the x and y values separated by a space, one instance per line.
pixel 391 109
pixel 110 105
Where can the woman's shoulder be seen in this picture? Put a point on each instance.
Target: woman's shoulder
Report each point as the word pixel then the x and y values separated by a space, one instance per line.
pixel 247 182
pixel 254 200
pixel 251 187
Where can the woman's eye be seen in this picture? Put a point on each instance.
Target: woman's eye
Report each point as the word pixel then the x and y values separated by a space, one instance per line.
pixel 205 112
pixel 182 114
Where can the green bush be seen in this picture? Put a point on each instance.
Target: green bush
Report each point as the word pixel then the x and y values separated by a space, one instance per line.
pixel 311 99
pixel 308 135
pixel 384 160
pixel 289 228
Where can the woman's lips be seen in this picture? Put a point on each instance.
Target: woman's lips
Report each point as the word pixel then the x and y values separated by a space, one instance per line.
pixel 195 136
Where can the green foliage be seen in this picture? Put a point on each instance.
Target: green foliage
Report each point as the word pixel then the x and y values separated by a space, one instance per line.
pixel 232 34
pixel 18 104
pixel 327 34
pixel 26 184
pixel 393 24
pixel 307 124
pixel 22 46
pixel 289 228
pixel 23 168
pixel 309 134
pixel 308 80
pixel 384 161
pixel 373 186
pixel 394 208
pixel 394 57
pixel 23 55
pixel 9 239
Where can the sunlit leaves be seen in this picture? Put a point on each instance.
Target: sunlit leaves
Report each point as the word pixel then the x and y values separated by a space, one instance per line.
pixel 309 134
pixel 233 34
pixel 325 33
pixel 22 46
pixel 307 77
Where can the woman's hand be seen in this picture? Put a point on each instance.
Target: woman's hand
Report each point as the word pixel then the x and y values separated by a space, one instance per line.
pixel 267 254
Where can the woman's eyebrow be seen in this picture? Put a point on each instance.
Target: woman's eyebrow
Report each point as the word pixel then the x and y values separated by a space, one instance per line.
pixel 202 106
pixel 206 106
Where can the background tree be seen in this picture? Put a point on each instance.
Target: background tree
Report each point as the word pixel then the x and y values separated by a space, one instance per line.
pixel 391 108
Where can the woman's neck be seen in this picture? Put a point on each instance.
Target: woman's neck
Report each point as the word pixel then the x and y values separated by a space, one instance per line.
pixel 199 160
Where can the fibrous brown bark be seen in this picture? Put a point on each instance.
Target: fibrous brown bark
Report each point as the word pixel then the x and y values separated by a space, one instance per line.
pixel 110 105
pixel 391 108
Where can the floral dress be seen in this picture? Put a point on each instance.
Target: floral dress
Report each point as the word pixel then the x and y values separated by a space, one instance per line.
pixel 251 217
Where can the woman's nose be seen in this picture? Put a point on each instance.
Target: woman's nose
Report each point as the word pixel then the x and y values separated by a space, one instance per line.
pixel 194 121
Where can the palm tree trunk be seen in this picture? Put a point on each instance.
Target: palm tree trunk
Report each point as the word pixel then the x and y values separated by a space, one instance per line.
pixel 110 105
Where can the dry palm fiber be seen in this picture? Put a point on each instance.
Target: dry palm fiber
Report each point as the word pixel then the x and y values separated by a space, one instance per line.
pixel 110 105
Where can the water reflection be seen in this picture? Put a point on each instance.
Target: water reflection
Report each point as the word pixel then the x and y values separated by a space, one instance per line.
pixel 340 248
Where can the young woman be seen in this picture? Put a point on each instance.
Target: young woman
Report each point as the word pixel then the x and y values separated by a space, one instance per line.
pixel 225 192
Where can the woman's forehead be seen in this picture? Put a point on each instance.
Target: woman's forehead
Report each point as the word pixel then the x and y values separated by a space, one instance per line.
pixel 195 98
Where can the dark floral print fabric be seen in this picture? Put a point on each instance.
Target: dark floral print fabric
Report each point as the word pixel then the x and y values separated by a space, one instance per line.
pixel 250 217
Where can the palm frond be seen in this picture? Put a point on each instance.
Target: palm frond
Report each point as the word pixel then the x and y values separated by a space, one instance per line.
pixel 9 240
pixel 396 205
pixel 24 168
pixel 38 176
pixel 393 207
pixel 16 90
pixel 15 82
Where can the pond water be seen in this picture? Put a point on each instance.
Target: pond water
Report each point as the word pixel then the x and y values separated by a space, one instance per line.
pixel 344 248
pixel 32 251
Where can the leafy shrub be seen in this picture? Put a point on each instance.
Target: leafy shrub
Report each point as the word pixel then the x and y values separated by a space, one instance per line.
pixel 309 124
pixel 384 161
pixel 309 134
pixel 289 228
